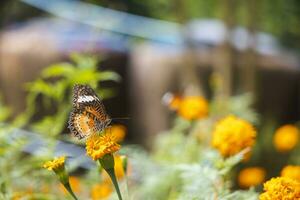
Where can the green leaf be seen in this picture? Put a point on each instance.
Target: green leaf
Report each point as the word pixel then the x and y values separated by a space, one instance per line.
pixel 83 61
pixel 5 112
pixel 106 93
pixel 108 76
pixel 56 122
pixel 39 86
pixel 52 90
pixel 61 69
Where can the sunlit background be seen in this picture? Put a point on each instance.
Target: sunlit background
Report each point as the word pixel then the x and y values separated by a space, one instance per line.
pixel 141 57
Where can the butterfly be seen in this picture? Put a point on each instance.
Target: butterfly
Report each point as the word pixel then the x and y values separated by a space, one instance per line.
pixel 88 115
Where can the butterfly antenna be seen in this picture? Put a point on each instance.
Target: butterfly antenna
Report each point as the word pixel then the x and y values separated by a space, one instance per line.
pixel 119 120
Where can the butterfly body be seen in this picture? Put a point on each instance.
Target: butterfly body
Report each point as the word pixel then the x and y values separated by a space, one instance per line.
pixel 88 115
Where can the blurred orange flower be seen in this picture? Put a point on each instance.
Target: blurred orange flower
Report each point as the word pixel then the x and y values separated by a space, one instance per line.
pixel 23 195
pixel 101 191
pixel 231 135
pixel 118 131
pixel 193 107
pixel 172 100
pixel 286 138
pixel 99 145
pixel 291 171
pixel 45 188
pixel 281 188
pixel 251 176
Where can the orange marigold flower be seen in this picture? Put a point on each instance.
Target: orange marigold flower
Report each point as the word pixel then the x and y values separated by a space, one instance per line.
pixel 56 164
pixel 101 191
pixel 281 188
pixel 231 135
pixel 251 176
pixel 99 145
pixel 291 171
pixel 118 131
pixel 193 107
pixel 286 138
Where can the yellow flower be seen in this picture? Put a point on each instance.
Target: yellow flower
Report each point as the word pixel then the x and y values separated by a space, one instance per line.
pixel 56 165
pixel 172 100
pixel 101 191
pixel 118 131
pixel 281 188
pixel 231 135
pixel 193 107
pixel 99 145
pixel 119 169
pixel 75 185
pixel 291 171
pixel 286 138
pixel 251 176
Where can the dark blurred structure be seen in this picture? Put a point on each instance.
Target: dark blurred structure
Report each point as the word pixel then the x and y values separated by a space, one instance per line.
pixel 153 57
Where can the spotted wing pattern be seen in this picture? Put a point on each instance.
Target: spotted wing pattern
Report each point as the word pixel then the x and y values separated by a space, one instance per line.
pixel 88 115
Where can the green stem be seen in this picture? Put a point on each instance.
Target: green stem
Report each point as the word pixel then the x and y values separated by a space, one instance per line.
pixel 111 173
pixel 68 187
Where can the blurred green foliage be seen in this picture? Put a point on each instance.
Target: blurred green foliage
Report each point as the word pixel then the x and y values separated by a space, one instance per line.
pixel 239 105
pixel 18 171
pixel 48 106
pixel 184 168
pixel 51 93
pixel 4 111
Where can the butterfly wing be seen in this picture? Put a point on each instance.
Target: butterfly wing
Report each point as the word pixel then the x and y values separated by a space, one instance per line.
pixel 81 124
pixel 88 115
pixel 84 95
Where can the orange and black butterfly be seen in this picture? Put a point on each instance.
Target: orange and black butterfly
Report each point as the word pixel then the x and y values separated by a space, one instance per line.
pixel 88 115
